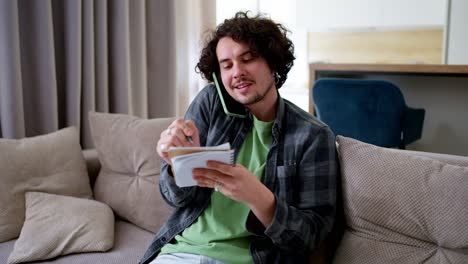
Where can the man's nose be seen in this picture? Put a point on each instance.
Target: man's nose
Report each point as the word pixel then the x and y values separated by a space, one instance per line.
pixel 239 71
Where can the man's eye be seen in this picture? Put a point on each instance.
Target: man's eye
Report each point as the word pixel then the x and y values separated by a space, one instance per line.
pixel 247 59
pixel 226 66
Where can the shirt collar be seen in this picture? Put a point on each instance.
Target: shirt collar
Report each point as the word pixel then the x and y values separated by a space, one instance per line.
pixel 278 124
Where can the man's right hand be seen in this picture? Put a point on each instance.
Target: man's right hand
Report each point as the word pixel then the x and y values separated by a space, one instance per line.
pixel 178 134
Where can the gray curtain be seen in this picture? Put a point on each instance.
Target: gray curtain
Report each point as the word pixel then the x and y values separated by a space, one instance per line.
pixel 60 59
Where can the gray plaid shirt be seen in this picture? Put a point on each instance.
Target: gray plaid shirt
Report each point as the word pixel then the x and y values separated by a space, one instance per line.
pixel 301 171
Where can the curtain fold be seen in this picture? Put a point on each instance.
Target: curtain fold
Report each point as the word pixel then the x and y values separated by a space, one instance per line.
pixel 59 59
pixel 160 59
pixel 73 48
pixel 88 69
pixel 195 17
pixel 102 56
pixel 37 67
pixel 11 99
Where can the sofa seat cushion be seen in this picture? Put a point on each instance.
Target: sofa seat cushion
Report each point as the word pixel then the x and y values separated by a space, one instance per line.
pixel 401 207
pixel 130 243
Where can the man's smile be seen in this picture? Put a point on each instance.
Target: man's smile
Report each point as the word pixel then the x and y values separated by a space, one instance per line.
pixel 243 86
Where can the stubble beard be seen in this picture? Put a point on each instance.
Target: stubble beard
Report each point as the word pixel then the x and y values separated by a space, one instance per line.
pixel 259 97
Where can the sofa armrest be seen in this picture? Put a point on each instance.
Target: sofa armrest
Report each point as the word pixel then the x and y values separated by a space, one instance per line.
pixel 92 164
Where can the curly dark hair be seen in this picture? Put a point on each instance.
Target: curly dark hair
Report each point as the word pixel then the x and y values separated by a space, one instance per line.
pixel 265 38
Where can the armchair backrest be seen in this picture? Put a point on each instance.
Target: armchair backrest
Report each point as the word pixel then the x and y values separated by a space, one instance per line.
pixel 371 111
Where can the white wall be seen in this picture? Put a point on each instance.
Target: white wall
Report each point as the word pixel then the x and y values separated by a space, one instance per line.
pixel 457 41
pixel 342 15
pixel 226 9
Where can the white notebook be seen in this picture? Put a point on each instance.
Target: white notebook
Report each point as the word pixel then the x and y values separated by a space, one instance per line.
pixel 185 159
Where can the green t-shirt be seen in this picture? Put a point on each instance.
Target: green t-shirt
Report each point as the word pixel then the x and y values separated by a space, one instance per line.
pixel 219 232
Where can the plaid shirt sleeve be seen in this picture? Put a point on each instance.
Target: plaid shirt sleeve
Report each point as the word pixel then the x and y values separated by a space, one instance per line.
pixel 197 112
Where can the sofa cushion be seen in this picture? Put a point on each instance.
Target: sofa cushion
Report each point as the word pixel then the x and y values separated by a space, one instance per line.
pixel 130 243
pixel 130 166
pixel 401 207
pixel 60 225
pixel 51 163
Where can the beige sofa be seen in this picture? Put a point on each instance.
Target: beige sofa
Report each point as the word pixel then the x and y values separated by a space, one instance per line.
pixel 399 206
pixel 396 206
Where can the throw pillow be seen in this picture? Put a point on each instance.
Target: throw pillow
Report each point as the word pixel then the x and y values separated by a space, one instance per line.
pixel 401 207
pixel 130 166
pixel 51 163
pixel 59 225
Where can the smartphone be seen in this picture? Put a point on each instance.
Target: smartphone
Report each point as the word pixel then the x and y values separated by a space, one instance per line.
pixel 231 107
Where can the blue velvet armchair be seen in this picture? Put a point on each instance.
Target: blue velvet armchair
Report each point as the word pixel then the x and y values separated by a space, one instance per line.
pixel 372 111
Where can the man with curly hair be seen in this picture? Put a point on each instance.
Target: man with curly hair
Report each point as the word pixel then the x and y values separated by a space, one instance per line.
pixel 278 202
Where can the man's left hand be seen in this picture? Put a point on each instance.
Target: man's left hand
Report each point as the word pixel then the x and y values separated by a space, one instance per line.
pixel 238 183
